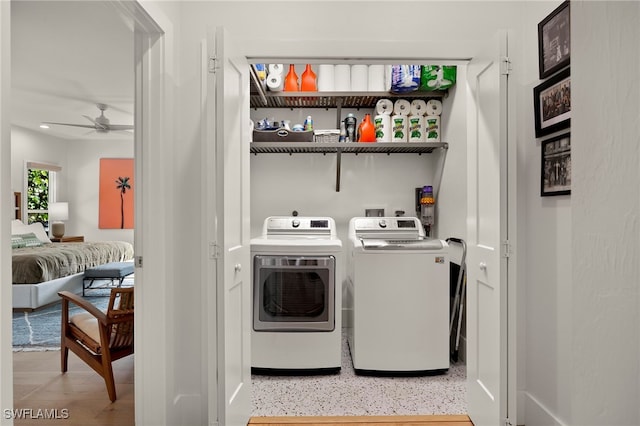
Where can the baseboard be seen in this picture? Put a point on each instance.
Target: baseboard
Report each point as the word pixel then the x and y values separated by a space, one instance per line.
pixel 535 413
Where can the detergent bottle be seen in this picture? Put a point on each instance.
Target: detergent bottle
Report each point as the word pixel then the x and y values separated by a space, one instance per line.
pixel 366 130
pixel 308 82
pixel 291 80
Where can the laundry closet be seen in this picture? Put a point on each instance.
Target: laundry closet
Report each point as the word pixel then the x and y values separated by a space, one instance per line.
pixel 301 166
pixel 343 181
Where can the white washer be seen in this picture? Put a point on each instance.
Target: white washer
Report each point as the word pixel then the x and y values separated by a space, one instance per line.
pixel 297 296
pixel 398 291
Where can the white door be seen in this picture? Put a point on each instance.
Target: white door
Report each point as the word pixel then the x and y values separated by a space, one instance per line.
pixel 486 232
pixel 227 217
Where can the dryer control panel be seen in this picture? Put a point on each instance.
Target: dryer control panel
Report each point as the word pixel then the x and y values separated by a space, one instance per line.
pixel 296 225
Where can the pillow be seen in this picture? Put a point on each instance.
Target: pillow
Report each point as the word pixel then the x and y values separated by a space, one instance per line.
pixel 25 240
pixel 17 242
pixel 38 230
pixel 17 227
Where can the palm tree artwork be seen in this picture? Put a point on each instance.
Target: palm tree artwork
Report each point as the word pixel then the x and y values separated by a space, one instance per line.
pixel 122 183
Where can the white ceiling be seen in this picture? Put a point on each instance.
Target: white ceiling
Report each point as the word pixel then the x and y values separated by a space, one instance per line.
pixel 66 56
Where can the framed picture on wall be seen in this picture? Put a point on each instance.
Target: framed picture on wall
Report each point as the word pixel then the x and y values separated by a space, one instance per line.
pixel 552 104
pixel 555 172
pixel 116 193
pixel 554 41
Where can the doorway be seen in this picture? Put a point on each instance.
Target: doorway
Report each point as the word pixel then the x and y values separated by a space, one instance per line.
pixel 379 180
pixel 147 60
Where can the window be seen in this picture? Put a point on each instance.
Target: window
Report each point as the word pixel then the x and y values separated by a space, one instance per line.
pixel 41 190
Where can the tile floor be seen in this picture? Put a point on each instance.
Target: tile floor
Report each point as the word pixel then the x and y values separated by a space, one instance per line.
pixel 348 394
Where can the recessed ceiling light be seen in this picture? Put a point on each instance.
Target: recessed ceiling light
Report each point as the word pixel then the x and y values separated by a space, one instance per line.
pixel 44 126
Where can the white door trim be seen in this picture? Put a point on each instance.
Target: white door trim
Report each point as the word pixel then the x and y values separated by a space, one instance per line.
pixel 153 360
pixel 6 354
pixel 153 129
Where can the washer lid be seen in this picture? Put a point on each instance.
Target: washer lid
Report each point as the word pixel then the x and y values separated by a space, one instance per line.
pixel 421 244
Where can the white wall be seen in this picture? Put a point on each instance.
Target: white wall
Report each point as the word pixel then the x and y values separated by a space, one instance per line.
pixel 432 29
pixel 579 255
pixel 29 145
pixel 544 251
pixel 605 290
pixel 83 164
pixel 77 182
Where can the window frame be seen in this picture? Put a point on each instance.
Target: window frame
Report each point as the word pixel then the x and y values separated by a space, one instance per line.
pixel 52 187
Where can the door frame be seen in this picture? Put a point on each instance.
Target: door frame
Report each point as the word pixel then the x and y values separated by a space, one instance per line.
pixel 361 51
pixel 153 119
pixel 153 60
pixel 6 353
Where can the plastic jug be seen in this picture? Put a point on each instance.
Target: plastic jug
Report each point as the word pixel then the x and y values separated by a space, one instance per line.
pixel 308 82
pixel 367 130
pixel 291 80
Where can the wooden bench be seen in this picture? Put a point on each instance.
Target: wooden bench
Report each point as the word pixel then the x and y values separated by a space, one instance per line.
pixel 108 271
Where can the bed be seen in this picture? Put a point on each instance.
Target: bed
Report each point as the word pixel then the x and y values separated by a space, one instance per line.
pixel 40 268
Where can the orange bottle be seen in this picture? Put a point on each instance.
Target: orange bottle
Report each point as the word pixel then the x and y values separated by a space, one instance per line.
pixel 367 130
pixel 291 80
pixel 308 82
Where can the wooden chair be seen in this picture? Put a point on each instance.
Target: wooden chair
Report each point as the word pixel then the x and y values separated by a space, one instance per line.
pixel 96 337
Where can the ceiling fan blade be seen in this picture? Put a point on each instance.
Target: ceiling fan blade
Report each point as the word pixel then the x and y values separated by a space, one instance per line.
pixel 69 124
pixel 121 127
pixel 101 126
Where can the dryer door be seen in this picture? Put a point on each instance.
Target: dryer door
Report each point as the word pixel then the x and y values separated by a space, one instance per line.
pixel 294 293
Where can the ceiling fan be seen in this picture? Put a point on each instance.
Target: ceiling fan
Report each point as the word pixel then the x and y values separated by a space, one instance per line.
pixel 100 124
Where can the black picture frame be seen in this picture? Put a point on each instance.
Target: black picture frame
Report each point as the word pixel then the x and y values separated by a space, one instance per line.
pixel 554 41
pixel 555 166
pixel 552 104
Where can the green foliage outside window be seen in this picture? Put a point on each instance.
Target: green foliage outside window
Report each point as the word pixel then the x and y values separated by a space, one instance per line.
pixel 37 196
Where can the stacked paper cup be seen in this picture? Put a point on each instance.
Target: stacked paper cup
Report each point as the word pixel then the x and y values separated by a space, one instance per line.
pixel 432 120
pixel 275 77
pixel 399 121
pixel 382 121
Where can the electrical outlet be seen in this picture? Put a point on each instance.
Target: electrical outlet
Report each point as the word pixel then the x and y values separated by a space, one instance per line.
pixel 374 212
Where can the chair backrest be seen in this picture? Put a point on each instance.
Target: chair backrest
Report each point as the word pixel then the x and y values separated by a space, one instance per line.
pixel 120 313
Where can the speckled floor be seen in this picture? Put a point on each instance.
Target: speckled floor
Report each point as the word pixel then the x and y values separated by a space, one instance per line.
pixel 347 394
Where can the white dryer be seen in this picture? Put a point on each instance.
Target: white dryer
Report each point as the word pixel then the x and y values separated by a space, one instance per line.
pixel 297 296
pixel 398 290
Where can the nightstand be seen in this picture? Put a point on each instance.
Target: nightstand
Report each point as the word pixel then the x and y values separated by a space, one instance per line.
pixel 68 239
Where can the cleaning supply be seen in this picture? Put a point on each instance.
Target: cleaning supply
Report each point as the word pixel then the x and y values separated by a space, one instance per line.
pixel 427 208
pixel 308 123
pixel 366 130
pixel 350 125
pixel 343 132
pixel 309 81
pixel 291 80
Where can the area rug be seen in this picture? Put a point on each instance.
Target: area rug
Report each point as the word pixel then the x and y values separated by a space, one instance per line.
pixel 39 330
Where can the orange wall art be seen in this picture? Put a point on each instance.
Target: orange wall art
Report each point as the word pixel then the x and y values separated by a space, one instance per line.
pixel 116 193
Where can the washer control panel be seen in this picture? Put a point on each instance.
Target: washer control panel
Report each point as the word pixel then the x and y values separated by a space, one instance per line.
pixel 386 223
pixel 387 228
